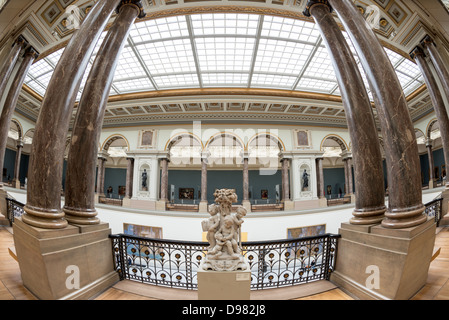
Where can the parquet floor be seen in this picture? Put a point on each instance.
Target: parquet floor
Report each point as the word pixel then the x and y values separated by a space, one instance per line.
pixel 11 287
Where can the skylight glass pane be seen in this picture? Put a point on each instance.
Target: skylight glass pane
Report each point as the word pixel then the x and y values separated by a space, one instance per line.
pixel 39 68
pixel 290 29
pixel 128 66
pixel 36 87
pixel 45 79
pixel 225 54
pixel 321 66
pixel 168 56
pixel 272 81
pixel 278 56
pixel 55 56
pixel 224 23
pixel 162 28
pixel 409 67
pixel 134 85
pixel 177 81
pixel 394 57
pixel 307 84
pixel 225 79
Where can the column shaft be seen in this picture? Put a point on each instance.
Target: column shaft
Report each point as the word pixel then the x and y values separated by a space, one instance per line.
pixel 431 165
pixel 245 180
pixel 405 208
pixel 11 101
pixel 319 163
pixel 16 180
pixel 129 178
pixel 370 202
pixel 100 175
pixel 80 185
pixel 438 105
pixel 204 179
pixel 164 179
pixel 43 207
pixel 440 67
pixel 285 180
pixel 8 65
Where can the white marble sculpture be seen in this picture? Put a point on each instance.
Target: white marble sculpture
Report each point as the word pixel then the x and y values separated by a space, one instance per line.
pixel 224 233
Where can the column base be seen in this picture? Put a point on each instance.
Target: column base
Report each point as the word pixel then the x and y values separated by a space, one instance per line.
pixel 247 205
pixel 430 184
pixel 71 263
pixel 203 207
pixel 378 263
pixel 161 205
pixel 323 202
pixel 289 205
pixel 16 184
pixel 224 285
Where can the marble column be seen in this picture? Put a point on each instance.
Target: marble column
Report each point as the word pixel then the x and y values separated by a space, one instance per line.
pixel 320 172
pixel 285 180
pixel 129 178
pixel 16 180
pixel 164 179
pixel 405 208
pixel 440 67
pixel 245 179
pixel 438 105
pixel 11 100
pixel 369 186
pixel 80 183
pixel 43 207
pixel 10 62
pixel 204 180
pixel 431 165
pixel 100 176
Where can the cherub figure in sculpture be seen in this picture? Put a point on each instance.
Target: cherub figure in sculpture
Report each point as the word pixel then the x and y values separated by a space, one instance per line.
pixel 225 238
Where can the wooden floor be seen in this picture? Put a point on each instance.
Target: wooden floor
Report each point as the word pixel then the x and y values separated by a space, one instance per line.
pixel 11 287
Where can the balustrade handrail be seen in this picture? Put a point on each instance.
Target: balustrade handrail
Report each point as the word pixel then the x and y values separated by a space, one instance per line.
pixel 273 263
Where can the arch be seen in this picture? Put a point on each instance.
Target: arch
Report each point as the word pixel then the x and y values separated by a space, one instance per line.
pixel 28 136
pixel 178 137
pixel 269 136
pixel 222 135
pixel 107 143
pixel 341 142
pixel 429 127
pixel 19 127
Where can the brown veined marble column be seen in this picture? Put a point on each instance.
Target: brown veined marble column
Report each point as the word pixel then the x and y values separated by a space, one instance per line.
pixel 80 182
pixel 129 177
pixel 245 179
pixel 431 165
pixel 10 62
pixel 320 172
pixel 438 104
pixel 11 100
pixel 405 208
pixel 16 180
pixel 285 180
pixel 43 207
pixel 204 179
pixel 440 67
pixel 164 179
pixel 100 176
pixel 369 186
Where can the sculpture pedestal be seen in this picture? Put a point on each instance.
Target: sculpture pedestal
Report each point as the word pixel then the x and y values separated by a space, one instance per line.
pixel 71 263
pixel 224 285
pixel 378 263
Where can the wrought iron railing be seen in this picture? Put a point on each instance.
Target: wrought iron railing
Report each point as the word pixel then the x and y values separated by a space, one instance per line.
pixel 433 209
pixel 14 209
pixel 273 263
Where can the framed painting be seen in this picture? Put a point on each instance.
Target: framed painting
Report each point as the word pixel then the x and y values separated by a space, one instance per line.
pixel 186 193
pixel 264 194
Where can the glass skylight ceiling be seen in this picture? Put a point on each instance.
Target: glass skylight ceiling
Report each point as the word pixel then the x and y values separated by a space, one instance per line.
pixel 224 50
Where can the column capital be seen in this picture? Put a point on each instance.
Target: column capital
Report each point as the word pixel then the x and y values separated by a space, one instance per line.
pixel 311 3
pixel 429 143
pixel 31 51
pixel 417 51
pixel 21 41
pixel 19 143
pixel 427 40
pixel 137 3
pixel 346 155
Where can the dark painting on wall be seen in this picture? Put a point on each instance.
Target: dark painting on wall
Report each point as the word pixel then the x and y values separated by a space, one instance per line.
pixel 264 194
pixel 186 193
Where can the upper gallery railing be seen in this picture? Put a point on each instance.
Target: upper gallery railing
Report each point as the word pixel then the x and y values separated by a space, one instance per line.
pixel 14 209
pixel 433 209
pixel 173 263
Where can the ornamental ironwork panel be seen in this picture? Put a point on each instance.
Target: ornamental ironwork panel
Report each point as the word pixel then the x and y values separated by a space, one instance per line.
pixel 14 209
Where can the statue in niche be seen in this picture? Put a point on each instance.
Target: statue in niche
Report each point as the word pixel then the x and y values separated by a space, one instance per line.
pixel 144 179
pixel 224 233
pixel 305 180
